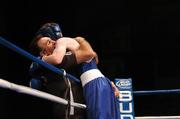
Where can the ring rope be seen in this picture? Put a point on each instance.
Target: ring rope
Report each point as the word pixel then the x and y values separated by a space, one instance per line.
pixel 37 93
pixel 156 92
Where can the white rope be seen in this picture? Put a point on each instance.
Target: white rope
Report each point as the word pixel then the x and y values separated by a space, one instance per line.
pixel 158 117
pixel 37 93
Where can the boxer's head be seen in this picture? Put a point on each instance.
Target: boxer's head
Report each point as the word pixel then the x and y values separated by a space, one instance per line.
pixel 48 33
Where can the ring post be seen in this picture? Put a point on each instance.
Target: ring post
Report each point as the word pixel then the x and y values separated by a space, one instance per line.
pixel 125 100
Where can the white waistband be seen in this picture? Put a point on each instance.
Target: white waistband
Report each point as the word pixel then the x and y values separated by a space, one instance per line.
pixel 90 75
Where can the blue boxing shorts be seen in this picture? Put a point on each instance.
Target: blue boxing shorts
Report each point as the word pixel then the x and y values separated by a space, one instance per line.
pixel 98 92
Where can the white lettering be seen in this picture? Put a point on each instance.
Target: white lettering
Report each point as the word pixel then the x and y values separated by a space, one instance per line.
pixel 125 96
pixel 126 116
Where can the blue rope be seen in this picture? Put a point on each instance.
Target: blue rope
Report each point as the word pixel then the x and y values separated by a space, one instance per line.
pixel 156 92
pixel 33 58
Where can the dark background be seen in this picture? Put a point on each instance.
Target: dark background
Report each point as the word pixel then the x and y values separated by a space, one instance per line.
pixel 136 39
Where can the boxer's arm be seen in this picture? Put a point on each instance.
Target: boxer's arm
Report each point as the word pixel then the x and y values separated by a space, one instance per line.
pixel 82 54
pixel 85 51
pixel 71 43
pixel 69 60
pixel 58 53
pixel 62 45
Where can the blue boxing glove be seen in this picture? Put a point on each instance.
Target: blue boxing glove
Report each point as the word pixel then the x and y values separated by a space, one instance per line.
pixel 35 72
pixel 36 84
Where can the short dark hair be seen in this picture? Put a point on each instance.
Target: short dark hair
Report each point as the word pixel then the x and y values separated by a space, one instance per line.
pixel 34 48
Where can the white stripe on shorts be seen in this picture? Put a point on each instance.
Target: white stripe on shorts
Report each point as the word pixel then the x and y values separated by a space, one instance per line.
pixel 90 75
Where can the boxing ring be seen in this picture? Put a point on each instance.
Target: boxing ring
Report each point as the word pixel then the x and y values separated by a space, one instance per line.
pixel 124 86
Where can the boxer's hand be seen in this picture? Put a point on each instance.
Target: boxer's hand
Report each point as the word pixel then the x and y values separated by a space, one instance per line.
pixel 96 57
pixel 116 91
